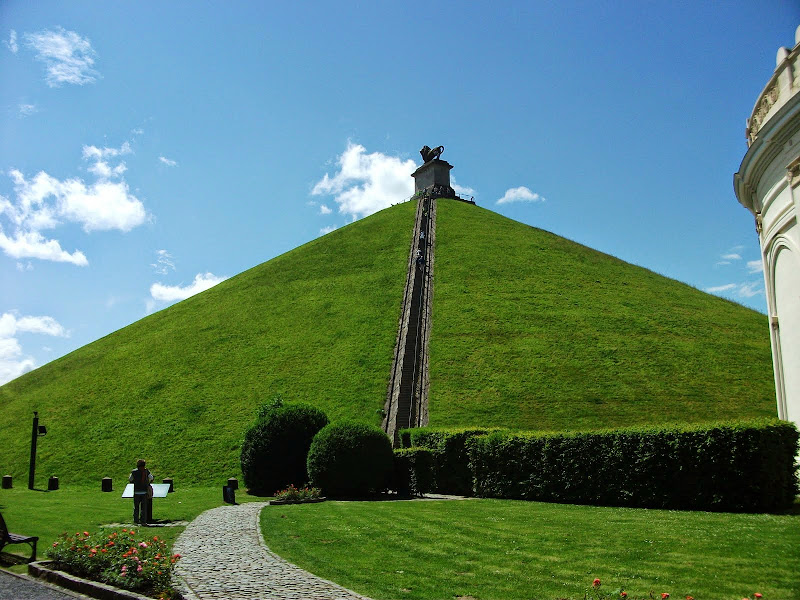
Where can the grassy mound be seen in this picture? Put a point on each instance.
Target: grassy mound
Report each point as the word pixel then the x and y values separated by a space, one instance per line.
pixel 530 331
pixel 179 388
pixel 533 331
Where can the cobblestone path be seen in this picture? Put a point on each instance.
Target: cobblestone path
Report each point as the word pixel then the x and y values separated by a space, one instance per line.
pixel 224 557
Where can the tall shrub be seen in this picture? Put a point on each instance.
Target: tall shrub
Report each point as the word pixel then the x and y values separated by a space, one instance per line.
pixel 350 459
pixel 274 450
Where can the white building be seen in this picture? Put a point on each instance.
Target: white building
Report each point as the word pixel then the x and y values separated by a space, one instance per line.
pixel 768 185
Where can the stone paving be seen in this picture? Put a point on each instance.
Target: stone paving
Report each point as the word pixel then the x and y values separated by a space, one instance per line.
pixel 19 587
pixel 224 557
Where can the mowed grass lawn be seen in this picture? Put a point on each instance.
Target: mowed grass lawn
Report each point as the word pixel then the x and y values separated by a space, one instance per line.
pixel 505 549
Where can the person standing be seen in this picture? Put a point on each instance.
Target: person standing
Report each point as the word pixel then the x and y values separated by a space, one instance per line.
pixel 141 479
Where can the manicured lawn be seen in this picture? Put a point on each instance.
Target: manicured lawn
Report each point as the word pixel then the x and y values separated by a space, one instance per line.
pixel 500 549
pixel 48 514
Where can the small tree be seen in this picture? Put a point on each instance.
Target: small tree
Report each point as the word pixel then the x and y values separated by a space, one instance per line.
pixel 350 459
pixel 274 450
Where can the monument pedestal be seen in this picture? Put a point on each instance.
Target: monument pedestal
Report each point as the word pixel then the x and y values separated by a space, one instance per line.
pixel 434 174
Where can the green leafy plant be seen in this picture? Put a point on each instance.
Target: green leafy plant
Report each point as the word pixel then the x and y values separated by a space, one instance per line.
pixel 122 559
pixel 350 459
pixel 274 450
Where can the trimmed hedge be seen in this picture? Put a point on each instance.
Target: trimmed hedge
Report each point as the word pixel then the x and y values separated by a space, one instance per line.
pixel 413 471
pixel 274 450
pixel 350 459
pixel 451 470
pixel 748 466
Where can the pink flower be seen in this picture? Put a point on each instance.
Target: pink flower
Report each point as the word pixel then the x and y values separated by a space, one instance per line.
pixel 139 569
pixel 142 544
pixel 55 544
pixel 124 568
pixel 86 533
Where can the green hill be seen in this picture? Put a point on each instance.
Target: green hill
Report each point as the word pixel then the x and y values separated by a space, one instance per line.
pixel 529 331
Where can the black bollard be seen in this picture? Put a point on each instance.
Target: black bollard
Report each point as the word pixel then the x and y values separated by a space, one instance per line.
pixel 52 484
pixel 233 483
pixel 105 484
pixel 6 482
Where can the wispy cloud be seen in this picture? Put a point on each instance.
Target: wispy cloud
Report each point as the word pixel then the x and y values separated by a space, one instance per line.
pixel 44 202
pixel 171 293
pixel 27 109
pixel 737 290
pixel 366 183
pixel 520 194
pixel 324 210
pixel 755 266
pixel 11 42
pixel 731 256
pixel 328 229
pixel 13 362
pixel 68 57
pixel 164 263
pixel 167 161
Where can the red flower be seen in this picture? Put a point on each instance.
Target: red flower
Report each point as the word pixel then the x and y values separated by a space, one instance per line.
pixel 757 595
pixel 689 598
pixel 623 594
pixel 664 596
pixel 596 583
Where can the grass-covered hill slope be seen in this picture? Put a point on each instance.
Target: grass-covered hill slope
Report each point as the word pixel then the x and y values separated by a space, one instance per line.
pixel 530 331
pixel 317 324
pixel 534 331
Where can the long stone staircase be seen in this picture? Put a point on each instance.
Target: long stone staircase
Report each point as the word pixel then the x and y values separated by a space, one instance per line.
pixel 407 394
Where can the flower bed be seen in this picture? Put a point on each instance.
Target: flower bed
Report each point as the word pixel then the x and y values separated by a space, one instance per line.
pixel 121 559
pixel 293 495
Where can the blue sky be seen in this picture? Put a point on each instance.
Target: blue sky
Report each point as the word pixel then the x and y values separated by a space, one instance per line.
pixel 150 150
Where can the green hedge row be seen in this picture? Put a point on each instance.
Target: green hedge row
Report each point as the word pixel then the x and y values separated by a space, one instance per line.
pixel 451 465
pixel 413 471
pixel 721 467
pixel 747 466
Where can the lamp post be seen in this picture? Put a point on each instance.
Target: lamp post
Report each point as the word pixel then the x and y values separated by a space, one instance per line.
pixel 35 433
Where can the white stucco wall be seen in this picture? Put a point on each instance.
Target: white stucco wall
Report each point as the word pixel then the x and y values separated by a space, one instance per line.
pixel 768 185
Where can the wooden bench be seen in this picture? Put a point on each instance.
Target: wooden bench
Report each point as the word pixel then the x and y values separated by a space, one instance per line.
pixel 6 537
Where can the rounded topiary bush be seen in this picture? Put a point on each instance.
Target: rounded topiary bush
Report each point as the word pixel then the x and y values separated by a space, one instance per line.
pixel 275 448
pixel 350 459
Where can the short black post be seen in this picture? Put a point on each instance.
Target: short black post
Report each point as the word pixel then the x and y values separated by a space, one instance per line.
pixel 6 482
pixel 52 484
pixel 34 437
pixel 105 484
pixel 171 484
pixel 233 483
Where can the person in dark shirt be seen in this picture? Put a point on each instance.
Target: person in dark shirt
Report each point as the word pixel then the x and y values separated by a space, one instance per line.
pixel 141 479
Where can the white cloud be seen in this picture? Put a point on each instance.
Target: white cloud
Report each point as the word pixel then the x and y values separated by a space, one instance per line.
pixel 164 263
pixel 366 183
pixel 44 202
pixel 328 229
pixel 755 266
pixel 324 210
pixel 167 161
pixel 731 256
pixel 68 57
pixel 721 288
pixel 11 43
pixel 22 267
pixel 31 244
pixel 170 293
pixel 12 361
pixel 740 290
pixel 27 109
pixel 520 194
pixel 137 131
pixel 461 190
